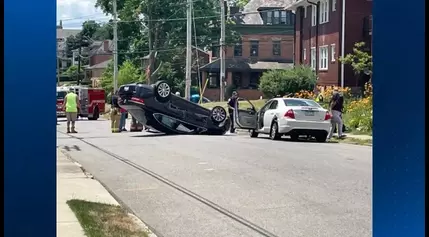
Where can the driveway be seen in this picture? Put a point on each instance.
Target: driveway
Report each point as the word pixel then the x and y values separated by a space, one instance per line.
pixel 192 186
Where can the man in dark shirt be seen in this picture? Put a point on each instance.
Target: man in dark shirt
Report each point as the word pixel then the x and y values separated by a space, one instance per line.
pixel 336 106
pixel 232 102
pixel 115 114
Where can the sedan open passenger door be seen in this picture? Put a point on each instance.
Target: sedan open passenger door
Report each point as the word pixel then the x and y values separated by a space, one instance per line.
pixel 245 114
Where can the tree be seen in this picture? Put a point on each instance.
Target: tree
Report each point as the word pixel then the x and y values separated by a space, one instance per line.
pixel 128 73
pixel 280 82
pixel 360 59
pixel 163 26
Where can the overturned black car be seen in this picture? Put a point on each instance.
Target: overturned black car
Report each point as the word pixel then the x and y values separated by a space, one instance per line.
pixel 157 108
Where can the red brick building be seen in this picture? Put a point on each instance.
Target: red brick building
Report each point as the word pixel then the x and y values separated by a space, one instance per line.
pixel 100 54
pixel 266 43
pixel 326 30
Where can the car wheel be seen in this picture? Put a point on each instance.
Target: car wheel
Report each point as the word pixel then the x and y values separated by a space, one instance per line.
pixel 162 91
pixel 294 137
pixel 321 138
pixel 218 114
pixel 253 133
pixel 274 131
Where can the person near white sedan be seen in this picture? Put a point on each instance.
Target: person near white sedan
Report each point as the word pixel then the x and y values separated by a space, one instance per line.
pixel 336 106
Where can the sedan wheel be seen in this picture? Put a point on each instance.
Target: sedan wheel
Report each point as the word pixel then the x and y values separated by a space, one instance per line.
pixel 274 132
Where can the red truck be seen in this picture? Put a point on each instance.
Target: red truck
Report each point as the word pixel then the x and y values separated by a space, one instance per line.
pixel 92 101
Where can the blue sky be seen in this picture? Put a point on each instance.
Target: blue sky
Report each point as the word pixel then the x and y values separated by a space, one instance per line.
pixel 74 12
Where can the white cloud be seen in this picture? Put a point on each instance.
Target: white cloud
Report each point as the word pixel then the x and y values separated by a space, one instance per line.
pixel 74 12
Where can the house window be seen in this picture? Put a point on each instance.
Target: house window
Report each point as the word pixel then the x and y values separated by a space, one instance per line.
pixel 313 15
pixel 269 18
pixel 304 54
pixel 237 79
pixel 238 50
pixel 276 48
pixel 313 58
pixel 254 80
pixel 214 80
pixel 333 53
pixel 334 5
pixel 276 17
pixel 254 47
pixel 324 12
pixel 323 58
pixel 284 18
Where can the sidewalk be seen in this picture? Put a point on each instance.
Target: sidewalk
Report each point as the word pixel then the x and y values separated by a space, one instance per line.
pixel 73 183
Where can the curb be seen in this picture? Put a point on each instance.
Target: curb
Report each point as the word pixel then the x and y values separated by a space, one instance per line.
pixel 150 231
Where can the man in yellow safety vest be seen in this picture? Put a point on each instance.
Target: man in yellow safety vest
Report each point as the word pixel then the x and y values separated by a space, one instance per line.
pixel 71 105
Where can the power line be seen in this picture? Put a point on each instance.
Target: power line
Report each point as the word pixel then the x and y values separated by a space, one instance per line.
pixel 184 18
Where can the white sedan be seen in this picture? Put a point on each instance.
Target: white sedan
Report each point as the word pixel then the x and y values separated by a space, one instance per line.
pixel 285 116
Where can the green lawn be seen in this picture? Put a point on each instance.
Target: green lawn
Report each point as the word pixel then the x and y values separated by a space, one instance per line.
pixel 103 220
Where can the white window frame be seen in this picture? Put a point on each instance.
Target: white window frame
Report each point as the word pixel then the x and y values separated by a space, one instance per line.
pixel 333 53
pixel 323 57
pixel 313 58
pixel 334 5
pixel 313 15
pixel 304 54
pixel 305 11
pixel 324 12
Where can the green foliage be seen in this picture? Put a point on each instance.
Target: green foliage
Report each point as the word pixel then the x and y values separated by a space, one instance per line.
pixel 71 71
pixel 358 115
pixel 360 59
pixel 282 82
pixel 128 73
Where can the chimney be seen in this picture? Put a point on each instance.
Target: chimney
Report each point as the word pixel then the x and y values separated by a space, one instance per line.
pixel 106 45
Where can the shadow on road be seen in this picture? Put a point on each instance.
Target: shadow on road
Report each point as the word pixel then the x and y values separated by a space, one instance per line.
pixel 300 140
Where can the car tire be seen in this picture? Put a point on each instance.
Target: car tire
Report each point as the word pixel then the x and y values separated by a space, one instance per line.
pixel 321 138
pixel 253 133
pixel 218 114
pixel 162 91
pixel 274 131
pixel 294 137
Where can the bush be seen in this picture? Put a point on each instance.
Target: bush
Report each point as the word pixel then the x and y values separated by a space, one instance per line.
pixel 282 82
pixel 358 115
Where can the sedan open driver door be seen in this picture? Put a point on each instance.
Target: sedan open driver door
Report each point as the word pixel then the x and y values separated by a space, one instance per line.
pixel 245 114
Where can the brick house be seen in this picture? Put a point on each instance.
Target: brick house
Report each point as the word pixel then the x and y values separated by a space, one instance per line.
pixel 320 39
pixel 100 54
pixel 266 31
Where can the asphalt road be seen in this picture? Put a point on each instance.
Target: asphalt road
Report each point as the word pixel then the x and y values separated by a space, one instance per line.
pixel 232 185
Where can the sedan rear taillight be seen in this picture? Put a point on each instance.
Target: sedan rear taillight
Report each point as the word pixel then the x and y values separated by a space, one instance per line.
pixel 290 114
pixel 328 115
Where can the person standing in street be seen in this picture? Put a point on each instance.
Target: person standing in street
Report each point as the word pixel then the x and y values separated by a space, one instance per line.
pixel 336 106
pixel 71 105
pixel 115 115
pixel 123 120
pixel 232 103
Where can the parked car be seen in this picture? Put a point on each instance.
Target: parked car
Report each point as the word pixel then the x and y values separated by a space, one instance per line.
pixel 285 116
pixel 157 108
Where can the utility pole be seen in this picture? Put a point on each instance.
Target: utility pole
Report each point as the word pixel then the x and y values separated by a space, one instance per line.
pixel 115 47
pixel 222 50
pixel 79 61
pixel 188 50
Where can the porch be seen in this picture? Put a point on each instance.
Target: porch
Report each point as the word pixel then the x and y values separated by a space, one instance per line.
pixel 241 74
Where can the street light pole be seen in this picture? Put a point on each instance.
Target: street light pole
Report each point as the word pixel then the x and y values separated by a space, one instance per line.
pixel 115 46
